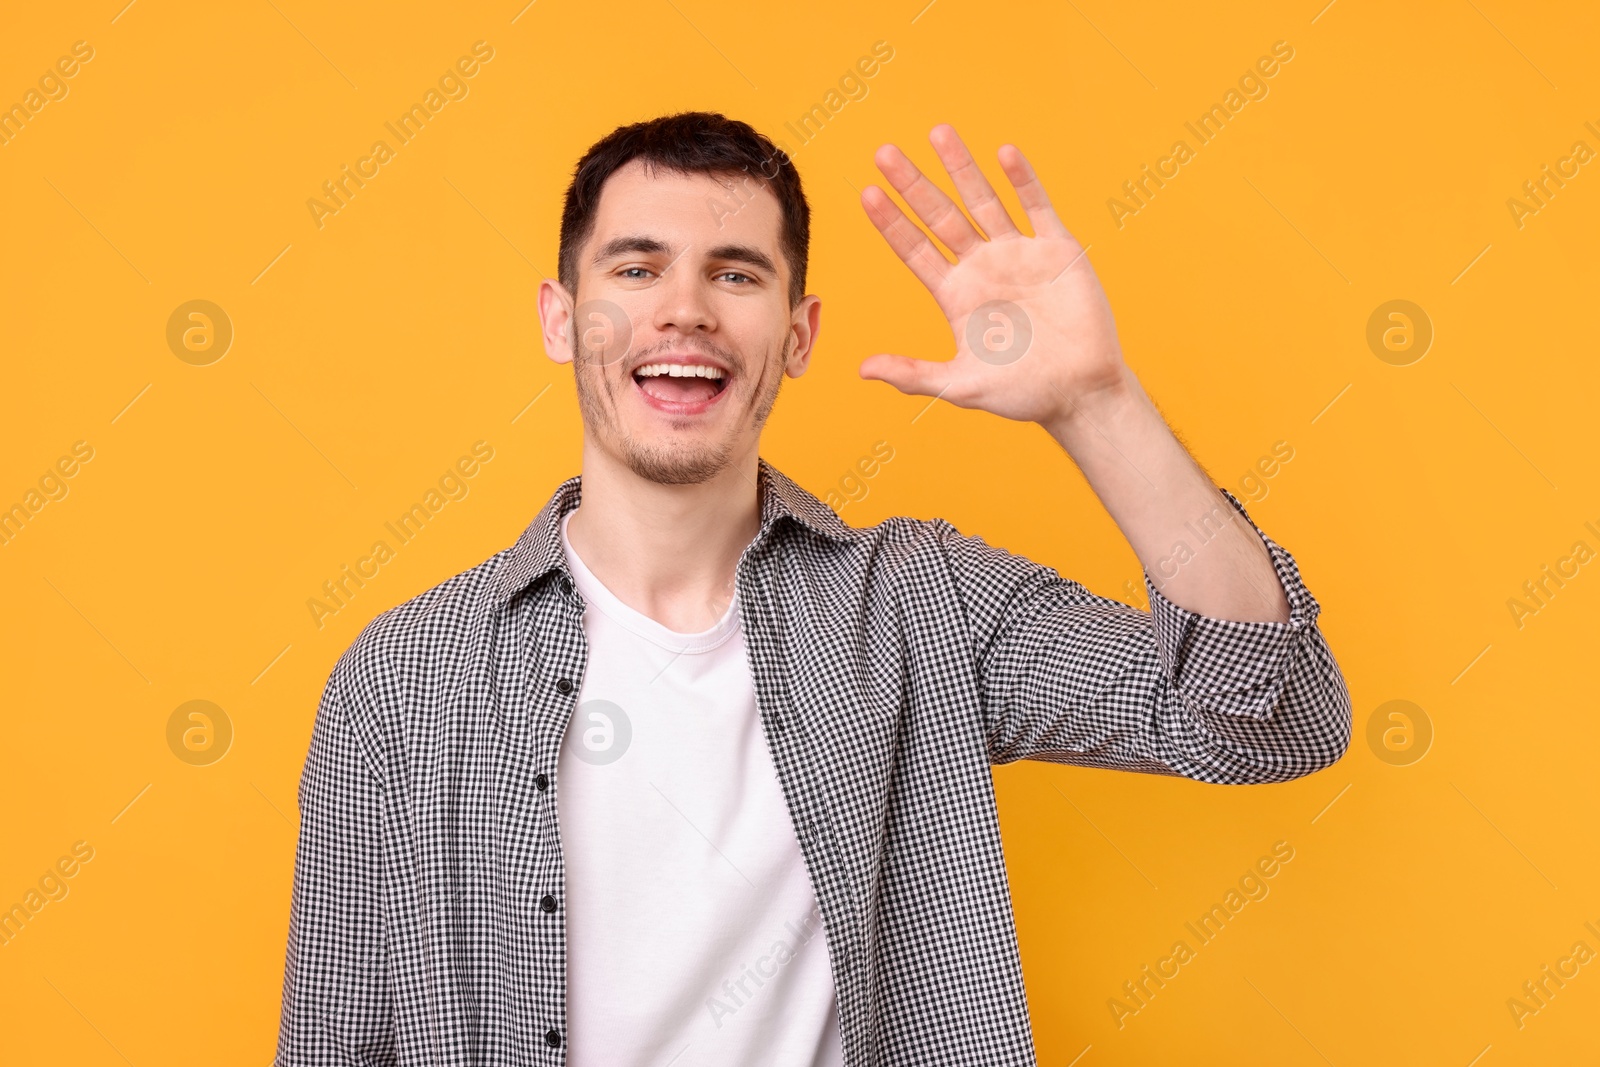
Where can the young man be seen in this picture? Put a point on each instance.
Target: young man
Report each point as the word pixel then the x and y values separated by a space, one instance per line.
pixel 695 773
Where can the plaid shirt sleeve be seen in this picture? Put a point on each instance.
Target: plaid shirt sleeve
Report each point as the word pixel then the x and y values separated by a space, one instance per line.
pixel 1071 677
pixel 336 1003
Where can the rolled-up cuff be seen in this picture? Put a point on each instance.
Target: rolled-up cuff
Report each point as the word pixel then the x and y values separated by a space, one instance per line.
pixel 1229 666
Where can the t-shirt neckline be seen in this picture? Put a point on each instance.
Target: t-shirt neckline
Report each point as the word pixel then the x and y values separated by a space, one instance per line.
pixel 596 594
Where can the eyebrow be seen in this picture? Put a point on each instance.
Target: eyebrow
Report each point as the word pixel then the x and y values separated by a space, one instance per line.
pixel 621 246
pixel 753 257
pixel 644 245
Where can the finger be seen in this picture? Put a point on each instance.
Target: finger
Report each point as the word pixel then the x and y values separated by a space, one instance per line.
pixel 906 238
pixel 1030 191
pixel 936 210
pixel 917 377
pixel 976 193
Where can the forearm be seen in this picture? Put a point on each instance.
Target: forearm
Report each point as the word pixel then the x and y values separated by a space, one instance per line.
pixel 1197 550
pixel 1072 677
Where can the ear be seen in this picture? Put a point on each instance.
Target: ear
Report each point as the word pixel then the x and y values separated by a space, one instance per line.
pixel 805 324
pixel 555 320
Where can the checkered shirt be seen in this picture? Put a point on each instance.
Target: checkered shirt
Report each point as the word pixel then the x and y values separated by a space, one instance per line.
pixel 892 665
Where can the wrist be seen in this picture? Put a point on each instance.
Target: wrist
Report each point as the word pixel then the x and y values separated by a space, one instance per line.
pixel 1090 411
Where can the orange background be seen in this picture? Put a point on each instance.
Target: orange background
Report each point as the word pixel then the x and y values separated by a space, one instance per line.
pixel 370 353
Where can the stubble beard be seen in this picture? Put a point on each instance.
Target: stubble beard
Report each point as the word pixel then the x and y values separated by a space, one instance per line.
pixel 670 464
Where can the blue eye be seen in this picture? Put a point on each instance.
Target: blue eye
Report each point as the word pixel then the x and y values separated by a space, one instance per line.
pixel 629 270
pixel 735 274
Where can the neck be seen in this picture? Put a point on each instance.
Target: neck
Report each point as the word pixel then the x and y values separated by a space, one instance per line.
pixel 667 551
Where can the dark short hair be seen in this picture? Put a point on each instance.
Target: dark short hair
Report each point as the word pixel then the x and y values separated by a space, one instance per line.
pixel 690 142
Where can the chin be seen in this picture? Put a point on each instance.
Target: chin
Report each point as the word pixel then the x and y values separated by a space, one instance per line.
pixel 677 465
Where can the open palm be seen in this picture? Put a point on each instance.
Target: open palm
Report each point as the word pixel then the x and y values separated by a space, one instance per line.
pixel 1034 334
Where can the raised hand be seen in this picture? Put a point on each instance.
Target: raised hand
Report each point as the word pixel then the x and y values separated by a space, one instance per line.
pixel 1035 341
pixel 1034 334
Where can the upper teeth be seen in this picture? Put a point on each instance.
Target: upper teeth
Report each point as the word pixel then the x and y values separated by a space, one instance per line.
pixel 679 370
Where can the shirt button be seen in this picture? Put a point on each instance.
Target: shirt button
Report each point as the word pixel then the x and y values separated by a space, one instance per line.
pixel 566 586
pixel 552 1038
pixel 547 903
pixel 541 782
pixel 564 686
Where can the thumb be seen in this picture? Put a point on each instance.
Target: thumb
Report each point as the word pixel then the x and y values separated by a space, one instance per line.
pixel 918 377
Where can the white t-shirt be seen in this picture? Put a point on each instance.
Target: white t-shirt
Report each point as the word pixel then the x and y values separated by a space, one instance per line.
pixel 693 935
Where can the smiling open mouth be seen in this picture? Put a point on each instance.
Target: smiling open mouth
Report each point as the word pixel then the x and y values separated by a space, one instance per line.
pixel 681 383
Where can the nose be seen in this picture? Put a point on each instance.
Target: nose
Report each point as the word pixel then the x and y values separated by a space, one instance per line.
pixel 682 299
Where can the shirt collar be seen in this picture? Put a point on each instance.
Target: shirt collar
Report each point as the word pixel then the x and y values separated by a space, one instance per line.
pixel 538 550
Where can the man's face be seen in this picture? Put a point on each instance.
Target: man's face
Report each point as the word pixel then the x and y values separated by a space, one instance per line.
pixel 681 330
